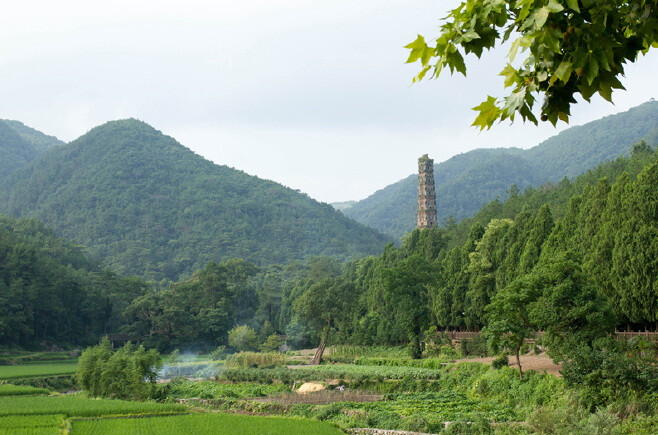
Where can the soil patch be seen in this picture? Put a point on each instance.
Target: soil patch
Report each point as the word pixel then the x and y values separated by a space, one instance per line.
pixel 539 363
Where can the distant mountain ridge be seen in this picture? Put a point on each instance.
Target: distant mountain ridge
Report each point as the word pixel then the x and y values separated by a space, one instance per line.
pixel 15 152
pixel 20 144
pixel 146 205
pixel 466 182
pixel 39 141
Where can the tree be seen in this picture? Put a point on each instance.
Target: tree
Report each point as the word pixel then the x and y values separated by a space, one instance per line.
pixel 127 373
pixel 574 47
pixel 570 310
pixel 322 305
pixel 407 292
pixel 509 317
pixel 635 254
pixel 243 338
pixel 484 262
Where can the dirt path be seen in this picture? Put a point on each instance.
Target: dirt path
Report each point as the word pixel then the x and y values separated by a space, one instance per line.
pixel 538 363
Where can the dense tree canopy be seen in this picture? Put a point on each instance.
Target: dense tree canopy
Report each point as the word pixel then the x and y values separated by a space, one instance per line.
pixel 148 206
pixel 50 292
pixel 573 47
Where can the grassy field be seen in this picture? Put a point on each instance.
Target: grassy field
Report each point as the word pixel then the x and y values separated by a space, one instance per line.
pixel 183 388
pixel 74 405
pixel 204 424
pixel 20 390
pixel 36 370
pixel 32 424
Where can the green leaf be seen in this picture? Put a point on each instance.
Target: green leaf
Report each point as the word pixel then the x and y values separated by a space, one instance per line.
pixel 421 74
pixel 591 70
pixel 510 74
pixel 540 17
pixel 563 72
pixel 573 5
pixel 605 91
pixel 419 42
pixel 554 6
pixel 489 113
pixel 456 62
pixel 514 102
pixel 418 49
pixel 514 49
pixel 470 35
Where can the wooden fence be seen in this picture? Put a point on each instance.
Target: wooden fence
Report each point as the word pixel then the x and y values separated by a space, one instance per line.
pixel 466 335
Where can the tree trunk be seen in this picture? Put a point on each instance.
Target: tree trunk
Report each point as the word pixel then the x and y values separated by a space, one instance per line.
pixel 518 361
pixel 415 348
pixel 317 358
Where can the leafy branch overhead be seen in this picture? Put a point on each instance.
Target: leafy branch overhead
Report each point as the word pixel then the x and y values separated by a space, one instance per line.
pixel 572 47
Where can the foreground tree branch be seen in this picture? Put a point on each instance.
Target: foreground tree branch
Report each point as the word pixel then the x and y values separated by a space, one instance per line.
pixel 572 47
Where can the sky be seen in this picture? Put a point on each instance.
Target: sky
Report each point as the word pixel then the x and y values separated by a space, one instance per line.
pixel 313 94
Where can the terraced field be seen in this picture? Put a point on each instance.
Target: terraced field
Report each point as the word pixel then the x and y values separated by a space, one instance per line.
pixel 36 370
pixel 204 424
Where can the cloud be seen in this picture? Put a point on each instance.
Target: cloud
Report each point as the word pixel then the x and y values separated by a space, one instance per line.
pixel 265 86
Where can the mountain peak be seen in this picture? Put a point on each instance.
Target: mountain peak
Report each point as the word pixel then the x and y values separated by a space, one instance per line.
pixel 151 207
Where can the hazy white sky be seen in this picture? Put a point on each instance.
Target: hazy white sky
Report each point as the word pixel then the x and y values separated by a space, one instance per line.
pixel 313 94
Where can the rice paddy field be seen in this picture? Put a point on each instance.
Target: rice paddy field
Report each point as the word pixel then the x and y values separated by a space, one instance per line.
pixel 79 406
pixel 76 414
pixel 23 371
pixel 204 424
pixel 20 390
pixel 31 410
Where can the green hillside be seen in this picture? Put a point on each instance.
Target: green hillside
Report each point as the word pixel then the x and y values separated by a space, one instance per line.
pixel 467 181
pixel 15 152
pixel 580 148
pixel 40 142
pixel 50 292
pixel 148 206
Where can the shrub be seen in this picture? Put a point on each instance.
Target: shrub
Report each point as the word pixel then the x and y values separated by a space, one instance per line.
pixel 255 359
pixel 56 383
pixel 475 346
pixel 480 426
pixel 500 362
pixel 128 373
pixel 243 338
pixel 272 343
pixel 219 354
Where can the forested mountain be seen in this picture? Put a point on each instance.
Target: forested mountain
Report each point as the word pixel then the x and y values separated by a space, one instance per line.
pixel 148 206
pixel 467 181
pixel 20 144
pixel 51 293
pixel 39 141
pixel 15 152
pixel 596 234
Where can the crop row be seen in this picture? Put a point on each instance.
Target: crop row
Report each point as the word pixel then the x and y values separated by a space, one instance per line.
pixel 20 390
pixel 183 388
pixel 330 371
pixel 446 406
pixel 36 370
pixel 360 371
pixel 427 363
pixel 30 421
